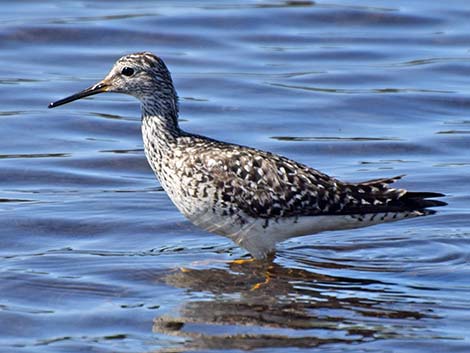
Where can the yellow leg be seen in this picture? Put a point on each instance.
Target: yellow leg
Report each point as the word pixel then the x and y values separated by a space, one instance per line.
pixel 215 261
pixel 241 261
pixel 268 260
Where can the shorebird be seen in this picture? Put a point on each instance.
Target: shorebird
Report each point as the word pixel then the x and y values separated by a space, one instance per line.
pixel 253 197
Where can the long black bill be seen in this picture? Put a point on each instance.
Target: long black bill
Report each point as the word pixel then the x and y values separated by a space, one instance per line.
pixel 98 88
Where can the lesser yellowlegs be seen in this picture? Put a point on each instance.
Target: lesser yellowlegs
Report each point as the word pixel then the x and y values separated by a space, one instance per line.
pixel 253 197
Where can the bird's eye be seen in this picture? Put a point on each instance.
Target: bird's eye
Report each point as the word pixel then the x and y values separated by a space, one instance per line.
pixel 127 71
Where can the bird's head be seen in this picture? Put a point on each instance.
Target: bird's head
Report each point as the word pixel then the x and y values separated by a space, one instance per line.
pixel 142 75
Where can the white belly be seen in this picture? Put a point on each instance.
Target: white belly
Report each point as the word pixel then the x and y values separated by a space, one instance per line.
pixel 260 237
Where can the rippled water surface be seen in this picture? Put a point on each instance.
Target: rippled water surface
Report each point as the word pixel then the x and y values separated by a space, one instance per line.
pixel 94 256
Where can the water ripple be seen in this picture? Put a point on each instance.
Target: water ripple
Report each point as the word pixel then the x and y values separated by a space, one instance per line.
pixel 95 257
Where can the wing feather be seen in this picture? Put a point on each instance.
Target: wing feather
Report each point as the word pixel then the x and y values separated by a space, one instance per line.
pixel 265 185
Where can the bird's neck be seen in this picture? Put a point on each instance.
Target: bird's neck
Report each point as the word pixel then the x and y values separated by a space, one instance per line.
pixel 161 120
pixel 160 132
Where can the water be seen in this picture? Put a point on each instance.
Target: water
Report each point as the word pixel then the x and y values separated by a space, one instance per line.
pixel 95 258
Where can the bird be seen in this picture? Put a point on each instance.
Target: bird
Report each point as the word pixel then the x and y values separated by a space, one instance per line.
pixel 255 198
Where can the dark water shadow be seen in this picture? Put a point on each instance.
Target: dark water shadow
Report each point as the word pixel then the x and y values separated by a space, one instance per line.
pixel 266 305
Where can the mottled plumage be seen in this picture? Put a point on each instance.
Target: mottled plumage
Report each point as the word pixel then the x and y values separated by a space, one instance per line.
pixel 254 197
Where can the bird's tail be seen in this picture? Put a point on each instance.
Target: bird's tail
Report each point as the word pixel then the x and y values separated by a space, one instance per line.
pixel 380 197
pixel 422 200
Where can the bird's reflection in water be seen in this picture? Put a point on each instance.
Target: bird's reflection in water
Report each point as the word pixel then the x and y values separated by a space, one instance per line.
pixel 255 305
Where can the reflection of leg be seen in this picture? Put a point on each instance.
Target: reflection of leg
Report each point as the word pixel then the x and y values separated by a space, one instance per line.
pixel 267 279
pixel 267 276
pixel 263 267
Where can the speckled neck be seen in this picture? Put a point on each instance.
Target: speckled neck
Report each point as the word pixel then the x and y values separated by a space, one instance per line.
pixel 162 119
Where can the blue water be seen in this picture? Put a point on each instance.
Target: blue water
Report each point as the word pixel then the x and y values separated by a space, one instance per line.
pixel 94 256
